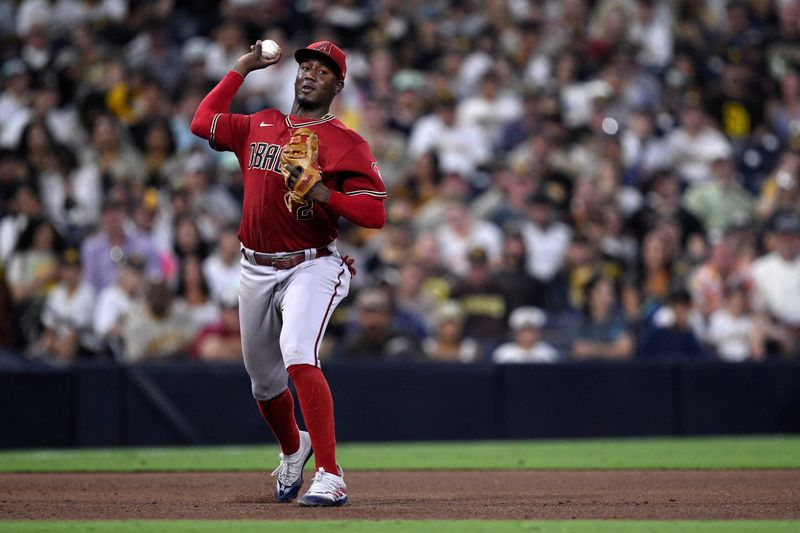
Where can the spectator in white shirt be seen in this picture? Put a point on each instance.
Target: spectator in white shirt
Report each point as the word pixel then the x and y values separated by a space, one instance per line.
pixel 60 118
pixel 16 95
pixel 67 314
pixel 695 144
pixel 651 31
pixel 527 347
pixel 490 109
pixel 777 285
pixel 546 239
pixel 229 41
pixel 461 233
pixel 115 302
pixel 731 328
pixel 449 342
pixel 23 207
pixel 222 268
pixel 461 148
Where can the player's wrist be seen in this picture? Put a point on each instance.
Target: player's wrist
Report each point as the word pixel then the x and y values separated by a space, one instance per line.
pixel 332 198
pixel 320 193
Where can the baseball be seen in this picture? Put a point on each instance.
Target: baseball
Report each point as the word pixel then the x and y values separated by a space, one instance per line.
pixel 269 49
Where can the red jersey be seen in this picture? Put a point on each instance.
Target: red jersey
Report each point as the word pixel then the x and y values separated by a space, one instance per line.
pixel 345 158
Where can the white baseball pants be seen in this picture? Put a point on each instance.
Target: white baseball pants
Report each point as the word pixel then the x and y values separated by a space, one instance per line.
pixel 284 314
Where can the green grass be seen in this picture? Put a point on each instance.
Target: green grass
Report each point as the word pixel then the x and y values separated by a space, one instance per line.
pixel 430 526
pixel 656 453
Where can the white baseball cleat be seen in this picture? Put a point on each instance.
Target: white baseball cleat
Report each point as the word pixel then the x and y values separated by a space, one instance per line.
pixel 290 471
pixel 327 490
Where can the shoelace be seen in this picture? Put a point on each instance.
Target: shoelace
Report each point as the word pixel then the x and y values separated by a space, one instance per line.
pixel 286 472
pixel 323 484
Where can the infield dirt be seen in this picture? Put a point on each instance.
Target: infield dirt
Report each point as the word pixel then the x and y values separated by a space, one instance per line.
pixel 633 494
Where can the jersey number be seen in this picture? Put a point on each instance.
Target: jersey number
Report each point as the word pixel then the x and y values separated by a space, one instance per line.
pixel 306 212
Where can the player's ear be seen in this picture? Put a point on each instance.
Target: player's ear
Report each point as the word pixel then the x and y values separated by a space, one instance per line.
pixel 339 86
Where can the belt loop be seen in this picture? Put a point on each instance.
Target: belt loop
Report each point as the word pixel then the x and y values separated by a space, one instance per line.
pixel 249 255
pixel 309 254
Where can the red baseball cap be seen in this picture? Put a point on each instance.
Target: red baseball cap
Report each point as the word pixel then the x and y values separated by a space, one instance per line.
pixel 327 50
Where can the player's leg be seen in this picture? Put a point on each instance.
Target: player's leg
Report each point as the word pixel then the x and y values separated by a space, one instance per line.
pixel 278 413
pixel 316 403
pixel 309 300
pixel 260 325
pixel 260 328
pixel 328 488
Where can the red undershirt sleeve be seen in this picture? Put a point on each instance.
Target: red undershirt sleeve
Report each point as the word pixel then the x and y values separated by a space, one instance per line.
pixel 213 122
pixel 363 210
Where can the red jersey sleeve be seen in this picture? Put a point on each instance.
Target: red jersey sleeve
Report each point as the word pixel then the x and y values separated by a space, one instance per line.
pixel 223 130
pixel 362 189
pixel 359 173
pixel 228 131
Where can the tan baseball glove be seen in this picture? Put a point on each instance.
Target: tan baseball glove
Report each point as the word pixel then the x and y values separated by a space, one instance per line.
pixel 300 152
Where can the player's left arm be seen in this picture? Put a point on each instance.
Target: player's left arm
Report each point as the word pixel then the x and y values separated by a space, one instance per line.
pixel 364 211
pixel 361 200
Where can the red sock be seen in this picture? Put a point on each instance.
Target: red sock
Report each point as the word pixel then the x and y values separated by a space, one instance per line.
pixel 316 403
pixel 279 415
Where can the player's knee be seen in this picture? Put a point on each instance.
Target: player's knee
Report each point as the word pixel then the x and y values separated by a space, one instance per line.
pixel 292 350
pixel 267 390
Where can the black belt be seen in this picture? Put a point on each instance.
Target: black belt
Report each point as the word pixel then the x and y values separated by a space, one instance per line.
pixel 285 260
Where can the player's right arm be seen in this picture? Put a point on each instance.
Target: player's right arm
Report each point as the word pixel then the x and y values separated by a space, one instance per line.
pixel 223 130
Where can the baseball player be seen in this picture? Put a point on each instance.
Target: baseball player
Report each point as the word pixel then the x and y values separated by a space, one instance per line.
pixel 301 172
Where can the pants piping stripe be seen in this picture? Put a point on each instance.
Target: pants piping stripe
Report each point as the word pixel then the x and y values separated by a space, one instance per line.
pixel 325 316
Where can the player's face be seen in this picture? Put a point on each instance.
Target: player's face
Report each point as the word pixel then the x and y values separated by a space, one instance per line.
pixel 316 84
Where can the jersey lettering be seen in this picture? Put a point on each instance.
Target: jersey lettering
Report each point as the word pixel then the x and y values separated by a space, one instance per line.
pixel 264 156
pixel 257 158
pixel 272 157
pixel 306 211
pixel 252 153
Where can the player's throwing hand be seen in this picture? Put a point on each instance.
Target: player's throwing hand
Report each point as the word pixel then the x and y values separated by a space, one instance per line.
pixel 254 60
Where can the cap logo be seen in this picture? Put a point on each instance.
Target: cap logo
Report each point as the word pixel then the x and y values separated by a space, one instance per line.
pixel 324 47
pixel 328 50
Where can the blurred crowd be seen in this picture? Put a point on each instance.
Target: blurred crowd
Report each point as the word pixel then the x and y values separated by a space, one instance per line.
pixel 568 179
